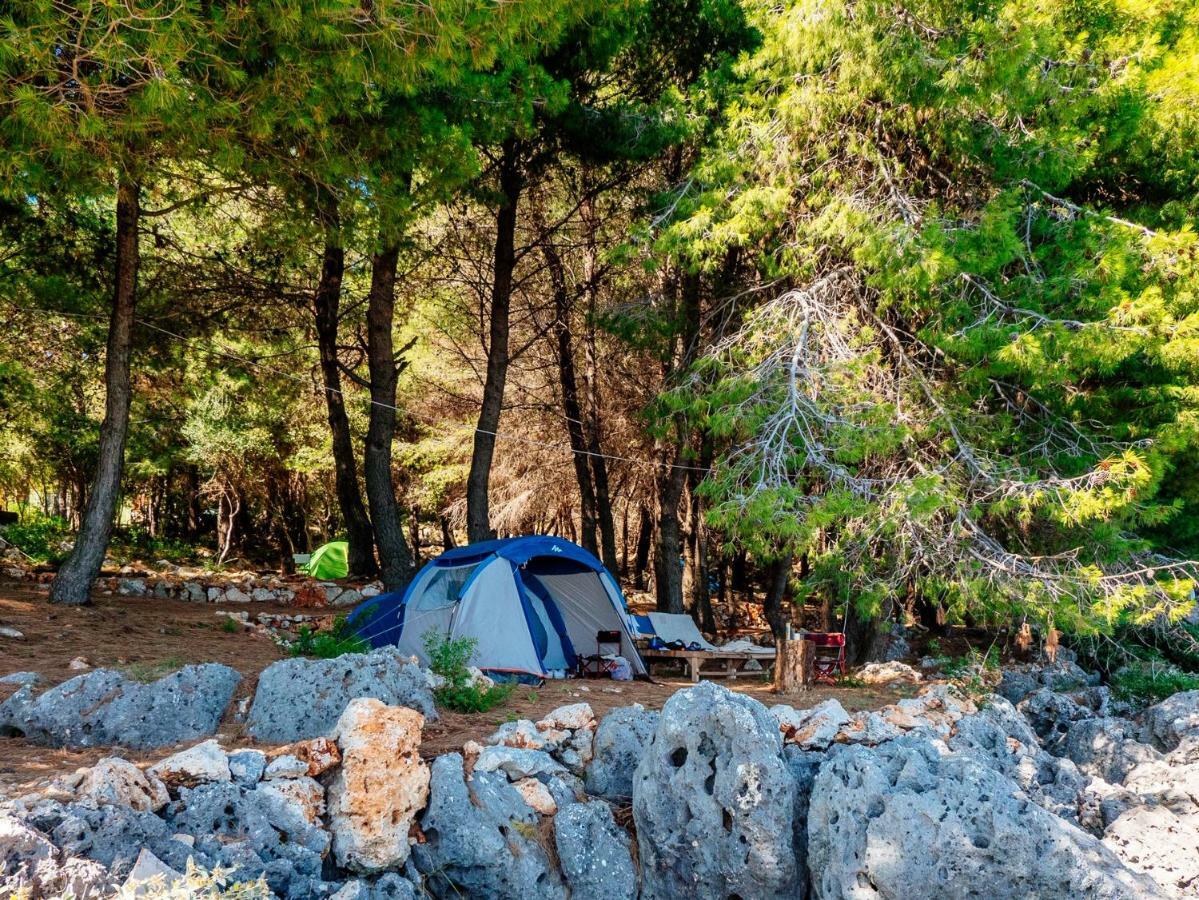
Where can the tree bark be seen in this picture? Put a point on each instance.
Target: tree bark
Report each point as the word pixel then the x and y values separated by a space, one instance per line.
pixel 327 306
pixel 794 665
pixel 779 572
pixel 701 594
pixel 865 639
pixel 478 513
pixel 72 584
pixel 395 557
pixel 571 409
pixel 645 537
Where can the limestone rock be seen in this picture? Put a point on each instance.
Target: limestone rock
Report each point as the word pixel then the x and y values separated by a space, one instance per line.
pixel 103 707
pixel 575 715
pixel 481 839
pixel 537 795
pixel 247 766
pixel 381 786
pixel 147 867
pixel 594 853
pixel 517 763
pixel 524 734
pixel 1165 846
pixel 301 698
pixel 305 793
pixel 1106 748
pixel 319 755
pixel 285 766
pixel 811 729
pixel 1051 714
pixel 205 763
pixel 888 673
pixel 911 819
pixel 1169 721
pixel 118 782
pixel 714 801
pixel 620 741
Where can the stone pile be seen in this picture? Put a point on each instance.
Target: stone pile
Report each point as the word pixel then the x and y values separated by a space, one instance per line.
pixel 937 796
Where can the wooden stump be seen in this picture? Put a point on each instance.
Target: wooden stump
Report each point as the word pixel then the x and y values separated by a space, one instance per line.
pixel 793 666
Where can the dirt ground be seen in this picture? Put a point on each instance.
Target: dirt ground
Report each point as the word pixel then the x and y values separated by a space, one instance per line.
pixel 150 638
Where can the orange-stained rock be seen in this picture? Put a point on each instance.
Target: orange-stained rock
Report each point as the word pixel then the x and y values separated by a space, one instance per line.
pixel 320 753
pixel 381 786
pixel 537 796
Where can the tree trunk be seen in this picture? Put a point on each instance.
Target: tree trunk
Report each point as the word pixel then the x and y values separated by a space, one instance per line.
pixel 72 584
pixel 794 665
pixel 478 513
pixel 571 409
pixel 395 557
pixel 701 594
pixel 327 305
pixel 779 572
pixel 645 537
pixel 447 536
pixel 865 640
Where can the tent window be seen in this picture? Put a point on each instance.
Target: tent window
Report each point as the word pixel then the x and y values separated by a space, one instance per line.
pixel 443 589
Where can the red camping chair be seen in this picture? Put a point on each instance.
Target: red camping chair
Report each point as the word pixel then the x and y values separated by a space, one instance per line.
pixel 828 658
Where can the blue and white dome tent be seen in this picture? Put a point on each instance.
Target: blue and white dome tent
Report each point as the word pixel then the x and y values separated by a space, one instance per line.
pixel 532 603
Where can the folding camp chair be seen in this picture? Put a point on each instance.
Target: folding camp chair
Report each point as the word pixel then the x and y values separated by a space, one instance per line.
pixel 607 644
pixel 828 658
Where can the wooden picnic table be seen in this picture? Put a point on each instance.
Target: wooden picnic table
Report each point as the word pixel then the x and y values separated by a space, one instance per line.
pixel 694 660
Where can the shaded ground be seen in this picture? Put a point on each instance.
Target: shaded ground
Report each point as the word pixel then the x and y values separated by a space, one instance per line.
pixel 149 638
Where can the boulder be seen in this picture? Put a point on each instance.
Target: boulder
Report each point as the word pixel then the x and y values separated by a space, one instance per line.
pixel 714 801
pixel 594 853
pixel 20 679
pixel 517 763
pixel 103 707
pixel 31 866
pixel 301 698
pixel 537 795
pixel 481 839
pixel 118 782
pixel 811 729
pixel 205 763
pixel 1106 748
pixel 1051 714
pixel 888 672
pixel 114 836
pixel 247 766
pixel 285 766
pixel 381 786
pixel 911 819
pixel 1165 846
pixel 575 715
pixel 1003 739
pixel 304 793
pixel 620 741
pixel 523 733
pixel 1170 721
pixel 319 755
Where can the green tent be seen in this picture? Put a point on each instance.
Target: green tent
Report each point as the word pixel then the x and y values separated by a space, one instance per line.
pixel 329 561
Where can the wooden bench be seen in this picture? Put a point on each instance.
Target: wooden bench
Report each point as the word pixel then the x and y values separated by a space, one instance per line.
pixel 694 660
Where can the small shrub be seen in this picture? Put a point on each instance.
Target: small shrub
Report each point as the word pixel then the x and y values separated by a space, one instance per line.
pixel 974 672
pixel 231 626
pixel 146 672
pixel 451 660
pixel 1148 684
pixel 198 884
pixel 38 536
pixel 337 641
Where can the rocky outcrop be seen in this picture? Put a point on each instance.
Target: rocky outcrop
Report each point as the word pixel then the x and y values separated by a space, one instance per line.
pixel 910 818
pixel 714 802
pixel 118 782
pixel 104 707
pixel 481 839
pixel 380 787
pixel 620 742
pixel 594 853
pixel 1106 748
pixel 31 866
pixel 1167 723
pixel 301 698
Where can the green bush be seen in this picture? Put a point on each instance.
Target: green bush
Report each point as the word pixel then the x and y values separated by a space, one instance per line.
pixel 451 660
pixel 197 884
pixel 1146 683
pixel 38 536
pixel 337 641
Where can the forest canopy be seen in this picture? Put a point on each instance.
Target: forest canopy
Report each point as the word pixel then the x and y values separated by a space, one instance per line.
pixel 887 308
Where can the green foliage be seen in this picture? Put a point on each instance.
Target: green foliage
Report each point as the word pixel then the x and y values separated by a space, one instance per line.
pixel 38 536
pixel 1146 683
pixel 198 884
pixel 231 626
pixel 338 640
pixel 450 658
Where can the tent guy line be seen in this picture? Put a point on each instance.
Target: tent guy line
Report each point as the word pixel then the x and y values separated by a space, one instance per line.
pixel 215 350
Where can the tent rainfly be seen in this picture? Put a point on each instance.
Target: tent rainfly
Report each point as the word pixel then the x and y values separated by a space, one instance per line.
pixel 532 603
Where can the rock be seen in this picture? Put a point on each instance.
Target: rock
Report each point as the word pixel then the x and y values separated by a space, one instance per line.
pixel 576 715
pixel 247 766
pixel 131 587
pixel 348 597
pixel 910 819
pixel 319 755
pixel 114 836
pixel 1102 803
pixel 15 634
pixel 381 786
pixel 1106 748
pixel 594 853
pixel 193 592
pixel 285 766
pixel 103 707
pixel 118 782
pixel 897 646
pixel 887 673
pixel 235 594
pixel 262 595
pixel 620 741
pixel 812 729
pixel 205 763
pixel 79 664
pixel 1051 714
pixel 481 839
pixel 537 795
pixel 1169 721
pixel 305 793
pixel 30 867
pixel 1003 739
pixel 1015 685
pixel 868 728
pixel 20 679
pixel 523 733
pixel 517 763
pixel 300 698
pixel 714 801
pixel 1153 840
pixel 21 844
pixel 147 867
